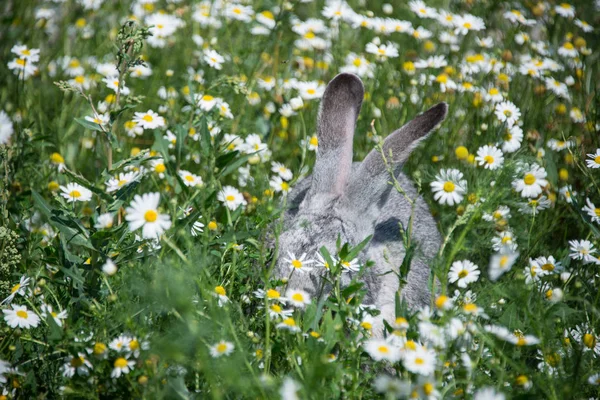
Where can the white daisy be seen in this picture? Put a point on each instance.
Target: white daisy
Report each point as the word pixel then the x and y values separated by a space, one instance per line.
pixel 463 272
pixel 381 350
pixel 382 51
pixel 297 298
pixel 20 316
pixel 298 264
pixel 75 192
pixel 19 289
pixel 593 159
pixel 213 59
pixel 122 180
pixel 222 348
pixel 592 210
pixel 532 183
pixel 112 82
pixel 449 187
pixel 47 311
pixel 104 221
pixel 500 263
pixel 143 213
pixel 512 139
pixel 420 361
pixel 582 250
pixel 149 120
pixel 122 366
pixel 507 112
pixel 76 365
pixel 282 170
pixel 288 324
pixel 231 198
pixel 279 185
pixel 310 90
pixel 190 179
pixel 490 157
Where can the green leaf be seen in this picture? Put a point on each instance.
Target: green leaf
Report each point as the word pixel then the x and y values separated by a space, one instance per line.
pixel 64 224
pixel 356 250
pixel 88 124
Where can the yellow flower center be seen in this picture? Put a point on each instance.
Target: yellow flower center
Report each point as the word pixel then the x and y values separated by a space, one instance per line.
pixel 148 118
pixel 589 340
pixel 488 159
pixel 160 168
pixel 134 344
pixel 120 362
pixel 289 322
pixel 463 273
pixel 15 288
pixel 597 159
pixel 284 186
pixel 75 194
pixel 160 26
pixel 568 46
pixel 22 314
pixel 207 97
pixel 503 261
pixel 237 11
pixel 268 14
pixel 296 263
pixel 381 51
pixel 121 182
pixel 467 25
pixel 314 141
pixel 383 349
pixel 150 216
pixel 529 179
pixel 221 348
pixel 311 91
pixel 220 290
pixel 77 362
pixel 189 178
pixel 440 301
pixel 276 308
pixel 506 239
pixel 80 79
pixel 470 307
pixel 99 348
pixel 548 267
pixel 230 198
pixel 357 62
pixel 298 297
pixel 419 361
pixel 367 325
pixel 449 187
pixel 428 388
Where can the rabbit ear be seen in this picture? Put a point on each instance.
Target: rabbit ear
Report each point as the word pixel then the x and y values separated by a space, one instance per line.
pixel 404 140
pixel 370 182
pixel 339 110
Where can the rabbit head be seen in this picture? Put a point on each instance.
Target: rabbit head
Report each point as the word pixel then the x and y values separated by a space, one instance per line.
pixel 342 199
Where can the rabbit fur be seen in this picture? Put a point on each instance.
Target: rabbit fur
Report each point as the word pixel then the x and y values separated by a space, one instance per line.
pixel 355 200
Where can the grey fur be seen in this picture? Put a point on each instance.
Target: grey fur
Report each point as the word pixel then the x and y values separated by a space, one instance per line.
pixel 355 200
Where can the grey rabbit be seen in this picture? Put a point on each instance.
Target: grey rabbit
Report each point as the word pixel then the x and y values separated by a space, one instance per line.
pixel 355 200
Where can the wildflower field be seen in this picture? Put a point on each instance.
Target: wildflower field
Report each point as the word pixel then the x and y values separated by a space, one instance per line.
pixel 148 149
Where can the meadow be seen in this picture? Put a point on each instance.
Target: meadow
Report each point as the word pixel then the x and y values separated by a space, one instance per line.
pixel 147 148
